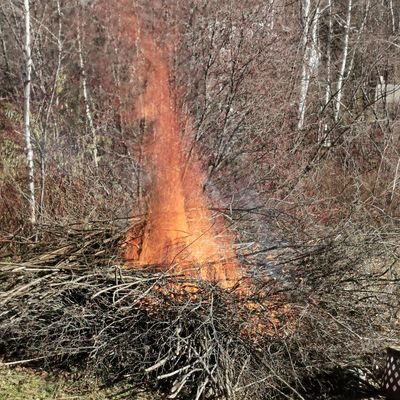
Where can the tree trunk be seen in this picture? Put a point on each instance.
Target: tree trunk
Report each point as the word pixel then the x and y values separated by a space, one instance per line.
pixel 324 132
pixel 271 19
pixel 342 71
pixel 392 16
pixel 27 95
pixel 328 89
pixel 311 55
pixel 88 113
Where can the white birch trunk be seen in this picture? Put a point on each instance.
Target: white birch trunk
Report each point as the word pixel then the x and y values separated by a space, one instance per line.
pixel 392 16
pixel 324 132
pixel 304 73
pixel 27 96
pixel 328 89
pixel 311 56
pixel 340 83
pixel 88 113
pixel 271 19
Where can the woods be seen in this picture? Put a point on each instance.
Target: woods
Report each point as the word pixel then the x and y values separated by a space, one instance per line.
pixel 289 89
pixel 147 147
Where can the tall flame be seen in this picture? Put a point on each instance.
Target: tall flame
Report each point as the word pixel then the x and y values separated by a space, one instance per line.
pixel 180 234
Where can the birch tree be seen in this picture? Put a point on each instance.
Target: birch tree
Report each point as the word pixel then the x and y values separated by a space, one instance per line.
pixel 342 71
pixel 88 112
pixel 324 132
pixel 392 16
pixel 27 101
pixel 271 17
pixel 328 89
pixel 311 58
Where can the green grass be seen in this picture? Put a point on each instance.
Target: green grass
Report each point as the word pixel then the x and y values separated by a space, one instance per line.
pixel 27 384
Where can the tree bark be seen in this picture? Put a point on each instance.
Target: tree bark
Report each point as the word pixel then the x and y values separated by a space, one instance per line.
pixel 392 16
pixel 328 89
pixel 311 55
pixel 342 71
pixel 271 19
pixel 324 132
pixel 27 96
pixel 88 113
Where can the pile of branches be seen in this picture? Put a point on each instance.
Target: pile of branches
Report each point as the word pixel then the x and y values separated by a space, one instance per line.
pixel 68 302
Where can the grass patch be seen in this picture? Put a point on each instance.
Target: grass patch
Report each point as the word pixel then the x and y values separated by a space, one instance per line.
pixel 25 383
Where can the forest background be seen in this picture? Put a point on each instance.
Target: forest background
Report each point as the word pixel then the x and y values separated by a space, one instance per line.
pixel 290 101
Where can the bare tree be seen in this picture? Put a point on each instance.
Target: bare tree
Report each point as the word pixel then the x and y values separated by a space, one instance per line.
pixel 311 57
pixel 27 98
pixel 345 53
pixel 53 98
pixel 86 99
pixel 4 51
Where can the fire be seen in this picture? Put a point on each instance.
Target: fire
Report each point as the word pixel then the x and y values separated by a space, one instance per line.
pixel 180 234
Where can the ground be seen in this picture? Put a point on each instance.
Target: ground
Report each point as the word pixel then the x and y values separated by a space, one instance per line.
pixel 27 384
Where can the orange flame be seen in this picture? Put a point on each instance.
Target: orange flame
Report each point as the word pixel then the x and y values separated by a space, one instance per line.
pixel 180 234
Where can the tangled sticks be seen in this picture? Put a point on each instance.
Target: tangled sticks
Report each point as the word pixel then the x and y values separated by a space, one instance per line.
pixel 120 325
pixel 69 303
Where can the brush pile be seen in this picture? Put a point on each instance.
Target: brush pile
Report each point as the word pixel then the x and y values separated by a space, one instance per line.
pixel 67 302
